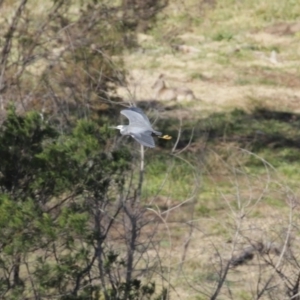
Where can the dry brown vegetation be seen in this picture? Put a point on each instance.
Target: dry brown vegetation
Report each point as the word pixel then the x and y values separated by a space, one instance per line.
pixel 225 215
pixel 238 234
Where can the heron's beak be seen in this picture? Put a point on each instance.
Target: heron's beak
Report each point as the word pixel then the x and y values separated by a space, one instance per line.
pixel 165 137
pixel 114 127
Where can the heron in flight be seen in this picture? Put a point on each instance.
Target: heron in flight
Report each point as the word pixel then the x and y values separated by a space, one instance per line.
pixel 139 127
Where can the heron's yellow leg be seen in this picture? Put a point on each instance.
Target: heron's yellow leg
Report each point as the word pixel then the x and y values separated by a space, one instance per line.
pixel 165 137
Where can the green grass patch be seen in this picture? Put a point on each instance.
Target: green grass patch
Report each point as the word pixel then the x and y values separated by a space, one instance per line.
pixel 223 35
pixel 275 202
pixel 168 177
pixel 242 151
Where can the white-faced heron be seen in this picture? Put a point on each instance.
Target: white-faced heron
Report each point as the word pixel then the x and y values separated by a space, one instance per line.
pixel 139 127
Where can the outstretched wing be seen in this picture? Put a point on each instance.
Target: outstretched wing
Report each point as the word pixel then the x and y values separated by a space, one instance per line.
pixel 140 111
pixel 140 127
pixel 136 117
pixel 144 139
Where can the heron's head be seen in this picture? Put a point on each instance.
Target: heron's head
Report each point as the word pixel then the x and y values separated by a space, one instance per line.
pixel 120 127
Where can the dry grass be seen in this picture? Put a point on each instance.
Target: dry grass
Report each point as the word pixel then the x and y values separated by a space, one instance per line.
pixel 233 208
pixel 230 66
pixel 233 65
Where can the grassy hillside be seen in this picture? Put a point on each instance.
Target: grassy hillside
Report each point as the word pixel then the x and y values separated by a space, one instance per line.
pixel 219 211
pixel 231 180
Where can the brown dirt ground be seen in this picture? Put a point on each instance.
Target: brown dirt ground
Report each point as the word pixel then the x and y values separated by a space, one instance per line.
pixel 220 85
pixel 221 81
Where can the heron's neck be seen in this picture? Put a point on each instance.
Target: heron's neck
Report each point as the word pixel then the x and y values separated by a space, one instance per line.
pixel 122 128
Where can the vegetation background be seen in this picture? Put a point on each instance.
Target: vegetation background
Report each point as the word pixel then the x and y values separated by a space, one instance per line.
pixel 212 214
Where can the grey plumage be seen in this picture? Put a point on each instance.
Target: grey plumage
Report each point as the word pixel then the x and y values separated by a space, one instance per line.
pixel 139 127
